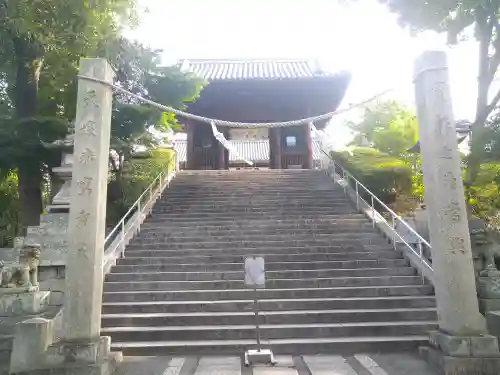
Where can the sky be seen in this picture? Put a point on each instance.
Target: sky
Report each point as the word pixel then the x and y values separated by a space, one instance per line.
pixel 363 38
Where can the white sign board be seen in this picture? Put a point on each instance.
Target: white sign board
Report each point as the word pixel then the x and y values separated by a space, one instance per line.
pixel 255 274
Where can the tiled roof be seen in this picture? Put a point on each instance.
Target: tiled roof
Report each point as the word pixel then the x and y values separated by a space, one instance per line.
pixel 214 70
pixel 254 150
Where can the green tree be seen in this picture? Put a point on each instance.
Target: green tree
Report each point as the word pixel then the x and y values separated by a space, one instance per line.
pixel 461 19
pixel 389 126
pixel 41 42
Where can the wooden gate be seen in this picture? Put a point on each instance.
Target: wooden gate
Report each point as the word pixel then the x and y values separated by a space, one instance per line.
pixel 206 157
pixel 292 160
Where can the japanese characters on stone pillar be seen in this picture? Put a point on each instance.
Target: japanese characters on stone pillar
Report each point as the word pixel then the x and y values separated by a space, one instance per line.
pixel 461 326
pixel 444 194
pixel 84 276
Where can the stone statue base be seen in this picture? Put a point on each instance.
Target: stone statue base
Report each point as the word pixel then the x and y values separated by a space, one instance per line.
pixel 463 355
pixel 19 301
pixel 488 290
pixel 75 358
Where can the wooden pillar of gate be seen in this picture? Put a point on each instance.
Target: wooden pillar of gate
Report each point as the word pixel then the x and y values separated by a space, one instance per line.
pixel 221 154
pixel 308 159
pixel 190 155
pixel 275 148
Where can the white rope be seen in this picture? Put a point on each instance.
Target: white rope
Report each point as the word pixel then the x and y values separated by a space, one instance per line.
pixel 227 144
pixel 233 124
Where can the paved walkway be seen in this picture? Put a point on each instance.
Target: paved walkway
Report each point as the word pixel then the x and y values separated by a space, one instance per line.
pixel 359 364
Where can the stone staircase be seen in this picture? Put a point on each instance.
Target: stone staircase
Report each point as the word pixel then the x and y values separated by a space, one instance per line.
pixel 334 284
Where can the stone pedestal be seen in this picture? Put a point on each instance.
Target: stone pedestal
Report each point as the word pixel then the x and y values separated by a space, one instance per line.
pixel 19 301
pixel 462 337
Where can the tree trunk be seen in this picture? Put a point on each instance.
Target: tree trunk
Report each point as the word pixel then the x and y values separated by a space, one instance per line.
pixel 485 78
pixel 29 59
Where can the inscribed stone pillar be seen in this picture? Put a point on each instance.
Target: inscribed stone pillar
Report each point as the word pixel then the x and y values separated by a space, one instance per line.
pixel 444 194
pixel 461 345
pixel 84 275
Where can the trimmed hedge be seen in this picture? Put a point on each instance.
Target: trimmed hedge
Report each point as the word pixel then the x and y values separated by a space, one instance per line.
pixel 485 193
pixel 387 177
pixel 137 174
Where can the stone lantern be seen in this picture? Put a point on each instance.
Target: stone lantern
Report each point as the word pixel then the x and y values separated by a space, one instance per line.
pixel 52 234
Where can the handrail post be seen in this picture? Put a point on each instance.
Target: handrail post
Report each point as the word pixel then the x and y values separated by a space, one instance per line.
pixel 122 238
pixel 139 214
pixel 393 232
pixel 373 213
pixel 421 254
pixel 357 195
pixel 333 173
pixel 150 208
pixel 161 182
pixel 346 182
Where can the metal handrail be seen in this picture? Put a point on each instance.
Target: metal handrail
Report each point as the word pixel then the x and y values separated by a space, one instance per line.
pixel 344 182
pixel 129 225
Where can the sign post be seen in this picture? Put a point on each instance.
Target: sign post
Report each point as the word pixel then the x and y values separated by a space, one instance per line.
pixel 255 277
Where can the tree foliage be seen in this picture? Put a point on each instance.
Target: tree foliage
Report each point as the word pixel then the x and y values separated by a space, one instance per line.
pixel 388 126
pixel 462 19
pixel 139 71
pixel 40 43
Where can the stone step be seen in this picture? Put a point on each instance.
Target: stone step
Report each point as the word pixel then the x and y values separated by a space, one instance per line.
pixel 247 189
pixel 317 204
pixel 333 282
pixel 145 251
pixel 156 257
pixel 315 222
pixel 222 220
pixel 272 234
pixel 267 317
pixel 151 307
pixel 172 232
pixel 362 238
pixel 203 295
pixel 269 211
pixel 270 275
pixel 176 285
pixel 268 331
pixel 200 243
pixel 170 199
pixel 240 228
pixel 337 345
pixel 194 217
pixel 270 266
pixel 230 193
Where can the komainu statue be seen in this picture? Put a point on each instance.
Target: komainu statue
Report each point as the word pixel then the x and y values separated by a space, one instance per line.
pixel 485 246
pixel 24 273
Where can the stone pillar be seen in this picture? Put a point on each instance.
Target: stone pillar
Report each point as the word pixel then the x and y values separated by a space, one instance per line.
pixel 81 345
pixel 461 327
pixel 308 160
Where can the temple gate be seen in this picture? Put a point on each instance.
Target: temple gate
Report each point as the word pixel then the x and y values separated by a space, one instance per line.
pixel 260 91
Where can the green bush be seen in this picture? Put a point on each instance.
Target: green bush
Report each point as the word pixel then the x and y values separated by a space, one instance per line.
pixel 137 174
pixel 386 176
pixel 9 210
pixel 485 193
